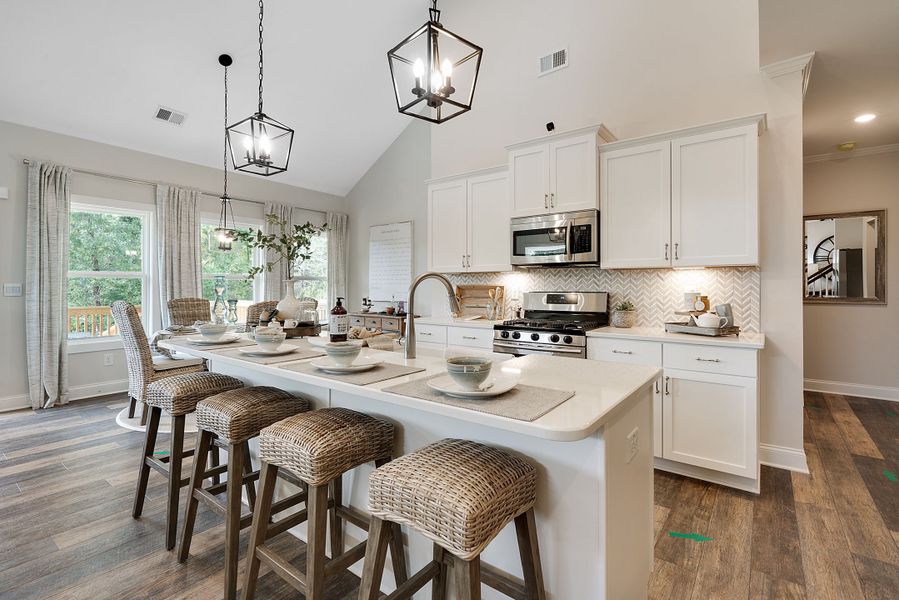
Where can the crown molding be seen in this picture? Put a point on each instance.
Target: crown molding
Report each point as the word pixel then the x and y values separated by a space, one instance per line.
pixel 600 130
pixel 802 63
pixel 760 121
pixel 814 158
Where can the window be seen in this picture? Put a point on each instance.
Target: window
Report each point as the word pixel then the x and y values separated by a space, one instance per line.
pixel 107 262
pixel 233 265
pixel 312 275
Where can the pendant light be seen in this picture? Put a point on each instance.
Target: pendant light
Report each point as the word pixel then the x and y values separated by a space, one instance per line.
pixel 434 71
pixel 260 144
pixel 225 234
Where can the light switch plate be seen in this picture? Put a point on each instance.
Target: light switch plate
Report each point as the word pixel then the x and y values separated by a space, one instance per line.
pixel 12 289
pixel 4 193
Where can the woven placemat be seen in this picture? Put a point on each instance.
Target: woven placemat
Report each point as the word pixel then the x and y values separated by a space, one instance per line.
pixel 382 372
pixel 300 354
pixel 235 344
pixel 523 402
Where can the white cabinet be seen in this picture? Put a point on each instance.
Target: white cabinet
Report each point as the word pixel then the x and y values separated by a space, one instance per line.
pixel 682 199
pixel 558 173
pixel 468 223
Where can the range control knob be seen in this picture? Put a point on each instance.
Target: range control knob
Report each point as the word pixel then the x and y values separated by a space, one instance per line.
pixel 567 339
pixel 554 338
pixel 535 336
pixel 515 335
pixel 504 334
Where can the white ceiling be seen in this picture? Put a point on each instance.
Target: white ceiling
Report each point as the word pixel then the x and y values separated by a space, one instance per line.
pixel 855 70
pixel 98 70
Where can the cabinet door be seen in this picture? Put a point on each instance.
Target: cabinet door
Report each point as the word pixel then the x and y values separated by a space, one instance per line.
pixel 447 223
pixel 657 411
pixel 573 174
pixel 714 198
pixel 529 180
pixel 488 223
pixel 710 421
pixel 635 218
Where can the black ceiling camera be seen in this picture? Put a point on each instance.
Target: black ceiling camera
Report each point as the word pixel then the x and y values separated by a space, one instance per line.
pixel 550 126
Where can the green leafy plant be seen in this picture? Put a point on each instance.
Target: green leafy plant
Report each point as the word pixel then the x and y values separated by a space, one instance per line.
pixel 625 306
pixel 292 243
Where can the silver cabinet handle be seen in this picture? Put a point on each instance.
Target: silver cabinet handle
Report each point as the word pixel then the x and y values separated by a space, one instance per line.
pixel 715 360
pixel 658 391
pixel 463 261
pixel 469 337
pixel 552 200
pixel 676 257
pixel 621 352
pixel 424 333
pixel 468 261
pixel 667 390
pixel 666 251
pixel 546 201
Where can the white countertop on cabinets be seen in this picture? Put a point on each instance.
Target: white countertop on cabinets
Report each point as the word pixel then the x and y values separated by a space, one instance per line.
pixel 451 322
pixel 755 341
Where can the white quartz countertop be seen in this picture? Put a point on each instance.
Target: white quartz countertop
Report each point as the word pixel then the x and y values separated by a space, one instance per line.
pixel 481 323
pixel 658 334
pixel 599 390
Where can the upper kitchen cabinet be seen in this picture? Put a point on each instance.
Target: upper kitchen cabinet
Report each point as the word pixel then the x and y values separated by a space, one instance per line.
pixel 556 173
pixel 687 198
pixel 468 223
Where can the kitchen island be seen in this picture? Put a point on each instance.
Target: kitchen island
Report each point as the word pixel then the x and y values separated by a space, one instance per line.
pixel 593 453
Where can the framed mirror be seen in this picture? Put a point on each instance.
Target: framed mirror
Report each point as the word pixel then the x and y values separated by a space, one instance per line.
pixel 845 258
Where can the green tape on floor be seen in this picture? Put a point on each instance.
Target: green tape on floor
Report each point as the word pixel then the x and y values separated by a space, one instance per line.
pixel 813 407
pixel 689 536
pixel 890 413
pixel 890 475
pixel 161 453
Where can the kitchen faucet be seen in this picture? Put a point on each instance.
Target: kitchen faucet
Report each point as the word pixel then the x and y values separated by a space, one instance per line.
pixel 409 342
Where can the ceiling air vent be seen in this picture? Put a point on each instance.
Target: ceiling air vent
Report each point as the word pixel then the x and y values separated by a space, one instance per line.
pixel 553 62
pixel 170 116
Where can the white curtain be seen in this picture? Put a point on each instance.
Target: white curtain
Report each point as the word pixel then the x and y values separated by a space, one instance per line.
pixel 46 286
pixel 337 256
pixel 178 232
pixel 273 283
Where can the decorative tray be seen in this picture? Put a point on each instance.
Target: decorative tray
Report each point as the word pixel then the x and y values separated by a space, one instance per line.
pixel 303 331
pixel 686 327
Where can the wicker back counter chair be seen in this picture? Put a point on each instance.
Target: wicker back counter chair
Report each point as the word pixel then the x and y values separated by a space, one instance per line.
pixel 177 396
pixel 318 447
pixel 255 310
pixel 460 495
pixel 187 311
pixel 229 420
pixel 143 367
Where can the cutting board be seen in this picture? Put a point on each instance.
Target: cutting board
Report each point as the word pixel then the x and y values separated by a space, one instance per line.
pixel 473 299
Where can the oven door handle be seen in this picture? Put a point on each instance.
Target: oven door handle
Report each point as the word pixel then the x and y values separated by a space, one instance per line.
pixel 517 347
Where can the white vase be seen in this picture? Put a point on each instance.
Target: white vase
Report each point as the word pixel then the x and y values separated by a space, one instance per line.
pixel 289 305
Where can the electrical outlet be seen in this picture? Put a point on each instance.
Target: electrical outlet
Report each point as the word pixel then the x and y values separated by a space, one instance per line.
pixel 633 444
pixel 108 359
pixel 12 289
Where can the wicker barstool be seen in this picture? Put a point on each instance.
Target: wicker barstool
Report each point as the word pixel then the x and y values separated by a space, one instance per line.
pixel 255 310
pixel 177 396
pixel 318 447
pixel 459 494
pixel 187 311
pixel 229 420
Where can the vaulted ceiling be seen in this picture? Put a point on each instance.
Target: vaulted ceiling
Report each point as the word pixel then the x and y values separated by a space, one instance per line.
pixel 99 69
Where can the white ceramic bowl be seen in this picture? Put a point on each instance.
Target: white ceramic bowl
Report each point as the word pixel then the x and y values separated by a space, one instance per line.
pixel 212 331
pixel 343 353
pixel 270 341
pixel 469 371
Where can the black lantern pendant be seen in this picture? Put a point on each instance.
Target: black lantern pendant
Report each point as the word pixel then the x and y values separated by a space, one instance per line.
pixel 260 144
pixel 434 72
pixel 225 234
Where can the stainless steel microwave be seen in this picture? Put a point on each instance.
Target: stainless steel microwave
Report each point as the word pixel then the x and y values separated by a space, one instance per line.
pixel 557 239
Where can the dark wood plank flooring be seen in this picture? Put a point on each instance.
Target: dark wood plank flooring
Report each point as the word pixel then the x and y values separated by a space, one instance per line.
pixel 67 479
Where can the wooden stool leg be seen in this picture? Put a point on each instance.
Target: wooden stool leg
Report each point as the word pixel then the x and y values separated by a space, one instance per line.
pixel 526 529
pixel 132 405
pixel 232 518
pixel 336 522
pixel 215 460
pixel 196 482
pixel 176 455
pixel 398 554
pixel 144 473
pixel 315 549
pixel 247 469
pixel 268 476
pixel 438 585
pixel 375 556
pixel 144 413
pixel 468 578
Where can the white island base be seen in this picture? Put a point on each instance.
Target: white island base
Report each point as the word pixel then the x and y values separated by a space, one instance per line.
pixel 595 484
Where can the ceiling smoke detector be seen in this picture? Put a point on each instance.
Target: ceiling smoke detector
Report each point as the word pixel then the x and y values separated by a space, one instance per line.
pixel 846 146
pixel 170 115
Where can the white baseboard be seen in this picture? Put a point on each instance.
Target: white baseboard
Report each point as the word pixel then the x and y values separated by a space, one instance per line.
pixel 77 392
pixel 852 389
pixel 791 459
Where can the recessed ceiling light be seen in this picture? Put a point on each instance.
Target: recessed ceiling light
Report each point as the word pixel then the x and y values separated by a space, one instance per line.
pixel 865 118
pixel 846 146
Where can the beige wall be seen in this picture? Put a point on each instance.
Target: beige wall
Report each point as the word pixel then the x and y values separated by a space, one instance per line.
pixel 88 376
pixel 856 344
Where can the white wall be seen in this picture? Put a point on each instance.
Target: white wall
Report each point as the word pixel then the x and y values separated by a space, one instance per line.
pixel 87 374
pixel 846 344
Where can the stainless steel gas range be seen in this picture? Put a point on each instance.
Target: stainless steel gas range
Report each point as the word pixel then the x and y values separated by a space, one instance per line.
pixel 554 323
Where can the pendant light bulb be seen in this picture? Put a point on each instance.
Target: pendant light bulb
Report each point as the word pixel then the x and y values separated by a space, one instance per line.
pixel 446 68
pixel 436 81
pixel 418 68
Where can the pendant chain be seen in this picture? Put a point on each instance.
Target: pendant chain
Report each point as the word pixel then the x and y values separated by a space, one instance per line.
pixel 261 10
pixel 225 151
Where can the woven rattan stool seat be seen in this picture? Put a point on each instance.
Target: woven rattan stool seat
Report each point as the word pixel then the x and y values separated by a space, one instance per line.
pixel 318 446
pixel 458 493
pixel 180 394
pixel 237 415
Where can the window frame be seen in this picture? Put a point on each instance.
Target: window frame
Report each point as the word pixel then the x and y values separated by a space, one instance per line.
pixel 258 258
pixel 323 311
pixel 145 213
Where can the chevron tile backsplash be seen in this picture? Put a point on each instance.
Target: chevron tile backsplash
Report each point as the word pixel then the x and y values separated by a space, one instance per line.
pixel 656 293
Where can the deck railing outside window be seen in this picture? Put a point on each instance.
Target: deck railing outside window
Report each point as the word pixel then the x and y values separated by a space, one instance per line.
pixel 92 321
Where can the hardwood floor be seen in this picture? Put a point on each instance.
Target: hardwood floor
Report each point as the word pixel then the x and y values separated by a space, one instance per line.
pixel 67 479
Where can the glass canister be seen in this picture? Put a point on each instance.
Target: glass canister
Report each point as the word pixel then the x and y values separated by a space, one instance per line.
pixel 232 312
pixel 219 307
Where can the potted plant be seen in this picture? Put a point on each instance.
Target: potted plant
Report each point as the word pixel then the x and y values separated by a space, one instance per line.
pixel 291 244
pixel 624 314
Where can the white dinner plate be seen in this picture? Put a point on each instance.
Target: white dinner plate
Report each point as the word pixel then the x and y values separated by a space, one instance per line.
pixel 258 351
pixel 225 339
pixel 329 366
pixel 494 386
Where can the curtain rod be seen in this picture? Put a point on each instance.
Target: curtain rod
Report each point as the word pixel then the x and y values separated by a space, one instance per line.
pixel 148 182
